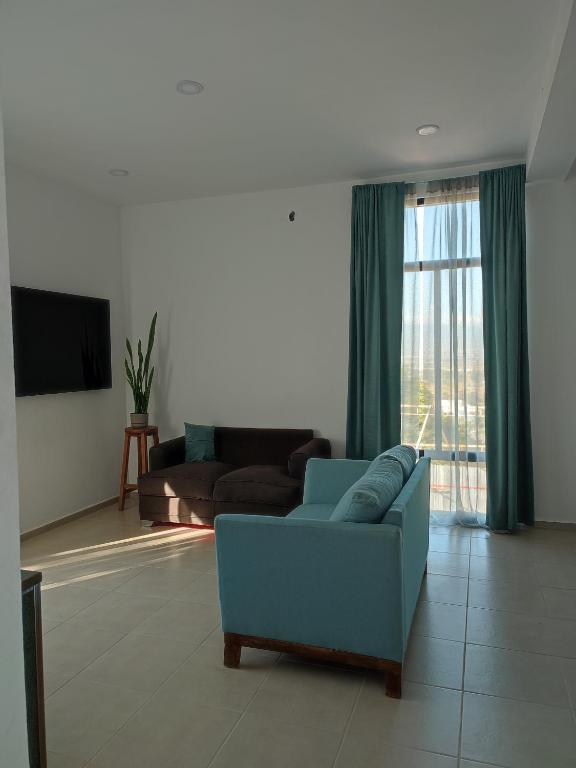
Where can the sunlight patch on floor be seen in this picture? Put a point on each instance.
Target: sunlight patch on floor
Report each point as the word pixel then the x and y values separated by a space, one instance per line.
pixel 160 546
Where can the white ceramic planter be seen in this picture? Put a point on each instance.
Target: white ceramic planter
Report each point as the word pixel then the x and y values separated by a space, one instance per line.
pixel 139 420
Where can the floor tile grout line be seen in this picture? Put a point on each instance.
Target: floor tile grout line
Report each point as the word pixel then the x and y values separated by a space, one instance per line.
pixel 139 567
pixel 392 743
pixel 515 698
pixel 441 602
pixel 410 748
pixel 346 729
pixel 452 575
pixel 68 618
pixel 244 713
pixel 112 735
pixel 118 589
pixel 571 699
pixel 119 728
pixel 103 559
pixel 486 580
pixel 153 560
pixel 521 650
pixel 481 764
pixel 149 697
pixel 73 619
pixel 519 701
pixel 462 687
pixel 571 703
pixel 106 594
pixel 443 637
pixel 80 582
pixel 83 669
pixel 520 613
pixel 530 614
pixel 461 725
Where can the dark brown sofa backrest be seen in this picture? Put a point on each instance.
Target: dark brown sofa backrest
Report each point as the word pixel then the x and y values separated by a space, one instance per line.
pixel 246 446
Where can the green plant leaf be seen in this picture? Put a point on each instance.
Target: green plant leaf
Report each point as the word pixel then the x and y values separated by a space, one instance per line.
pixel 140 357
pixel 148 387
pixel 129 348
pixel 140 361
pixel 140 379
pixel 129 374
pixel 151 337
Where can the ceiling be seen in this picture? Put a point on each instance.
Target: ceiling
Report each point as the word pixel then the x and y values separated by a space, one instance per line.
pixel 296 91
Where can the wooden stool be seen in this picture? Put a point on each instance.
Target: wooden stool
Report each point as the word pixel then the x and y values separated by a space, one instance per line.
pixel 141 434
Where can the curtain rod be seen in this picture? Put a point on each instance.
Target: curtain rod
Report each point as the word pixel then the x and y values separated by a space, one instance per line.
pixel 456 171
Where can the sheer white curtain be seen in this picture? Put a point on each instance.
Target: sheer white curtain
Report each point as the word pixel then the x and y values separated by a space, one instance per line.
pixel 442 345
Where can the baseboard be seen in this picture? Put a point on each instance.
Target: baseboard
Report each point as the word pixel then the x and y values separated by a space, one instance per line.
pixel 67 518
pixel 555 526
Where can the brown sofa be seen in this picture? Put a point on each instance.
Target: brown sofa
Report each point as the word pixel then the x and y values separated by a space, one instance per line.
pixel 259 471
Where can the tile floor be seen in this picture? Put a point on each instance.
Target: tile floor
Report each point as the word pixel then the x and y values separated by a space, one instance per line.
pixel 134 675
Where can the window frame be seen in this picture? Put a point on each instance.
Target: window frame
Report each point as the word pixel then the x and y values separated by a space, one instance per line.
pixel 439 266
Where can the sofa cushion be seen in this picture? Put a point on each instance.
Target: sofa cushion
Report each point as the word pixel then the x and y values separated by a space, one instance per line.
pixel 259 484
pixel 312 512
pixel 199 441
pixel 246 446
pixel 405 455
pixel 368 500
pixel 187 481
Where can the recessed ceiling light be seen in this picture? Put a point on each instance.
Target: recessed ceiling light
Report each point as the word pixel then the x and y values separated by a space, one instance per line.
pixel 427 130
pixel 189 87
pixel 118 172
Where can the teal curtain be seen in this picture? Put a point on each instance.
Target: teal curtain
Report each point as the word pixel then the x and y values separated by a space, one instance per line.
pixel 376 281
pixel 510 498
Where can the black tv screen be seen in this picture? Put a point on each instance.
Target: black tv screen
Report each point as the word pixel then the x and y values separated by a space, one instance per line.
pixel 61 342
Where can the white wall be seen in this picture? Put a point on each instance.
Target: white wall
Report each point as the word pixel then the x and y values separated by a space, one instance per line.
pixel 13 744
pixel 253 315
pixel 551 265
pixel 69 445
pixel 252 308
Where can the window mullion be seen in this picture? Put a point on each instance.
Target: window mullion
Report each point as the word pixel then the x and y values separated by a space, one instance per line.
pixel 438 360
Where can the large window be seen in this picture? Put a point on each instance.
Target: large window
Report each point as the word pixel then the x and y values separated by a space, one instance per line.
pixel 442 345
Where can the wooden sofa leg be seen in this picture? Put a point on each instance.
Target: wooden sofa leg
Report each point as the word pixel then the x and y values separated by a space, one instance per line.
pixel 232 651
pixel 394 683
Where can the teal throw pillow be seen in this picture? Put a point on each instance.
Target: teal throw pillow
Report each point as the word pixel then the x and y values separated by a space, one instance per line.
pixel 368 500
pixel 199 441
pixel 405 455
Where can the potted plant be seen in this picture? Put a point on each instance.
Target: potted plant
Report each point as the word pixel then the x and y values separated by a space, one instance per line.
pixel 140 379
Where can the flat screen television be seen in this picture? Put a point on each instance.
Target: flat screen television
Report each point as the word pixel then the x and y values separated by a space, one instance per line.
pixel 61 342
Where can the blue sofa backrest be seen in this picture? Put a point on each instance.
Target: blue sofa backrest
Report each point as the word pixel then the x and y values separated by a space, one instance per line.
pixel 327 480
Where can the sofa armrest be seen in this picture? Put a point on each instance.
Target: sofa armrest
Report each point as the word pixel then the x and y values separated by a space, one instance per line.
pixel 168 453
pixel 332 585
pixel 411 512
pixel 318 447
pixel 327 480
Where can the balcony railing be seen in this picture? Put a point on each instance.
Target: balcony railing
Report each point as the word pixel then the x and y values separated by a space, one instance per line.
pixel 458 452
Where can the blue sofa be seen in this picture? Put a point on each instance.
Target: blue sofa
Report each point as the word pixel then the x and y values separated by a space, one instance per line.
pixel 339 591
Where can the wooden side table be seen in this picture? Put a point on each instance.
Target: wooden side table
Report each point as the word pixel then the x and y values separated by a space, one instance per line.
pixel 141 434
